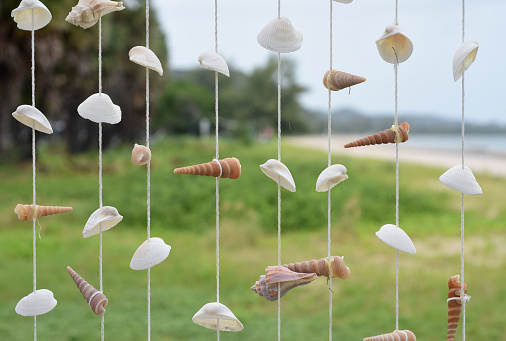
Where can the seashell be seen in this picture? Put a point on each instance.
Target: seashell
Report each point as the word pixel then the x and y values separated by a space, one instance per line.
pixel 344 1
pixel 28 115
pixel 461 179
pixel 330 177
pixel 99 108
pixel 152 252
pixel 279 35
pixel 96 299
pixel 278 172
pixel 23 15
pixel 464 57
pixel 101 220
pixel 145 57
pixel 213 313
pixel 36 303
pixel 395 237
pixel 214 62
pixel 29 212
pixel 141 155
pixel 337 80
pixel 230 168
pixel 287 279
pixel 398 335
pixel 87 12
pixel 393 135
pixel 455 302
pixel 329 267
pixel 386 45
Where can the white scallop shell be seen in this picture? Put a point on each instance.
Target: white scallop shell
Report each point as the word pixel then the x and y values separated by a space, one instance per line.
pixel 464 57
pixel 214 62
pixel 210 313
pixel 37 303
pixel 143 56
pixel 280 36
pixel 395 237
pixel 461 179
pixel 278 172
pixel 330 177
pixel 99 108
pixel 386 45
pixel 28 115
pixel 344 1
pixel 150 253
pixel 103 219
pixel 23 15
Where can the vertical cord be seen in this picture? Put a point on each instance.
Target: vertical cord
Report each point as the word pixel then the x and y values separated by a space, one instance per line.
pixel 148 189
pixel 279 187
pixel 34 237
pixel 396 65
pixel 102 320
pixel 329 161
pixel 462 204
pixel 216 106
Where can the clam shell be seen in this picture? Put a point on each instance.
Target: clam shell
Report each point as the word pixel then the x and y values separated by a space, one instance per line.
pixel 214 62
pixel 28 115
pixel 23 15
pixel 461 179
pixel 330 177
pixel 279 35
pixel 278 172
pixel 210 313
pixel 464 57
pixel 395 237
pixel 99 108
pixel 37 303
pixel 386 45
pixel 150 253
pixel 141 155
pixel 145 57
pixel 104 218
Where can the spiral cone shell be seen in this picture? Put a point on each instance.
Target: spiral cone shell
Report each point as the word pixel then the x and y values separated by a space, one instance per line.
pixel 267 285
pixel 398 335
pixel 96 300
pixel 454 306
pixel 29 212
pixel 337 80
pixel 141 155
pixel 231 168
pixel 392 135
pixel 87 12
pixel 329 267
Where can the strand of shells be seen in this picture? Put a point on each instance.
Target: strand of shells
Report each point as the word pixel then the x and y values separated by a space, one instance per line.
pixel 87 12
pixel 230 168
pixel 29 212
pixel 329 267
pixel 393 135
pixel 455 301
pixel 337 80
pixel 398 335
pixel 267 286
pixel 96 300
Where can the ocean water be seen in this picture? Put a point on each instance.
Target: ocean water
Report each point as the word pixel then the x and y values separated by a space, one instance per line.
pixel 474 143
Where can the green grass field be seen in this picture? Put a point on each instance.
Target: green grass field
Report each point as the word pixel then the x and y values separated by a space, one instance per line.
pixel 183 214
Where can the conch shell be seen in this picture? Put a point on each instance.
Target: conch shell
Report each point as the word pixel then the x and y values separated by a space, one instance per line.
pixel 455 301
pixel 287 279
pixel 229 167
pixel 337 80
pixel 398 335
pixel 141 155
pixel 393 135
pixel 96 300
pixel 23 15
pixel 329 267
pixel 29 212
pixel 87 12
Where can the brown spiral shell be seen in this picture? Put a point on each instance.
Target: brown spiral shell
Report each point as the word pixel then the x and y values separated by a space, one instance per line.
pixel 337 80
pixel 29 212
pixel 398 335
pixel 280 277
pixel 329 267
pixel 454 306
pixel 96 300
pixel 231 168
pixel 391 135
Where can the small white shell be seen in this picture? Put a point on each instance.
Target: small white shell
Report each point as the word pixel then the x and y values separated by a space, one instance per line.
pixel 387 42
pixel 210 313
pixel 330 177
pixel 28 115
pixel 280 36
pixel 104 218
pixel 214 62
pixel 461 180
pixel 141 155
pixel 37 303
pixel 344 1
pixel 278 172
pixel 150 253
pixel 464 57
pixel 99 108
pixel 145 57
pixel 395 237
pixel 23 15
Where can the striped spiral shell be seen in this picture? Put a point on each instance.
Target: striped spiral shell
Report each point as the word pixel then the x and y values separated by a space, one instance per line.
pixel 454 306
pixel 398 335
pixel 329 267
pixel 279 277
pixel 392 135
pixel 96 300
pixel 337 80
pixel 231 168
pixel 29 212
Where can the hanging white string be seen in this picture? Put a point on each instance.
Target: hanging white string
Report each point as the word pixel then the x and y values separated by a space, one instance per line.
pixel 396 65
pixel 329 163
pixel 216 106
pixel 462 199
pixel 34 171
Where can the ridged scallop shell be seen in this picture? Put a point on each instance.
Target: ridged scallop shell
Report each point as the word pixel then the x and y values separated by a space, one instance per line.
pixel 395 237
pixel 279 35
pixel 102 219
pixel 99 108
pixel 150 253
pixel 393 135
pixel 28 115
pixel 96 299
pixel 387 42
pixel 36 303
pixel 330 177
pixel 145 57
pixel 230 168
pixel 282 278
pixel 329 267
pixel 23 15
pixel 29 212
pixel 461 179
pixel 455 302
pixel 141 155
pixel 87 12
pixel 214 62
pixel 278 172
pixel 337 80
pixel 464 57
pixel 398 335
pixel 209 315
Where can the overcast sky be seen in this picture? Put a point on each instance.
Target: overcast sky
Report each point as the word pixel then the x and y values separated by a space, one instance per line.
pixel 425 80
